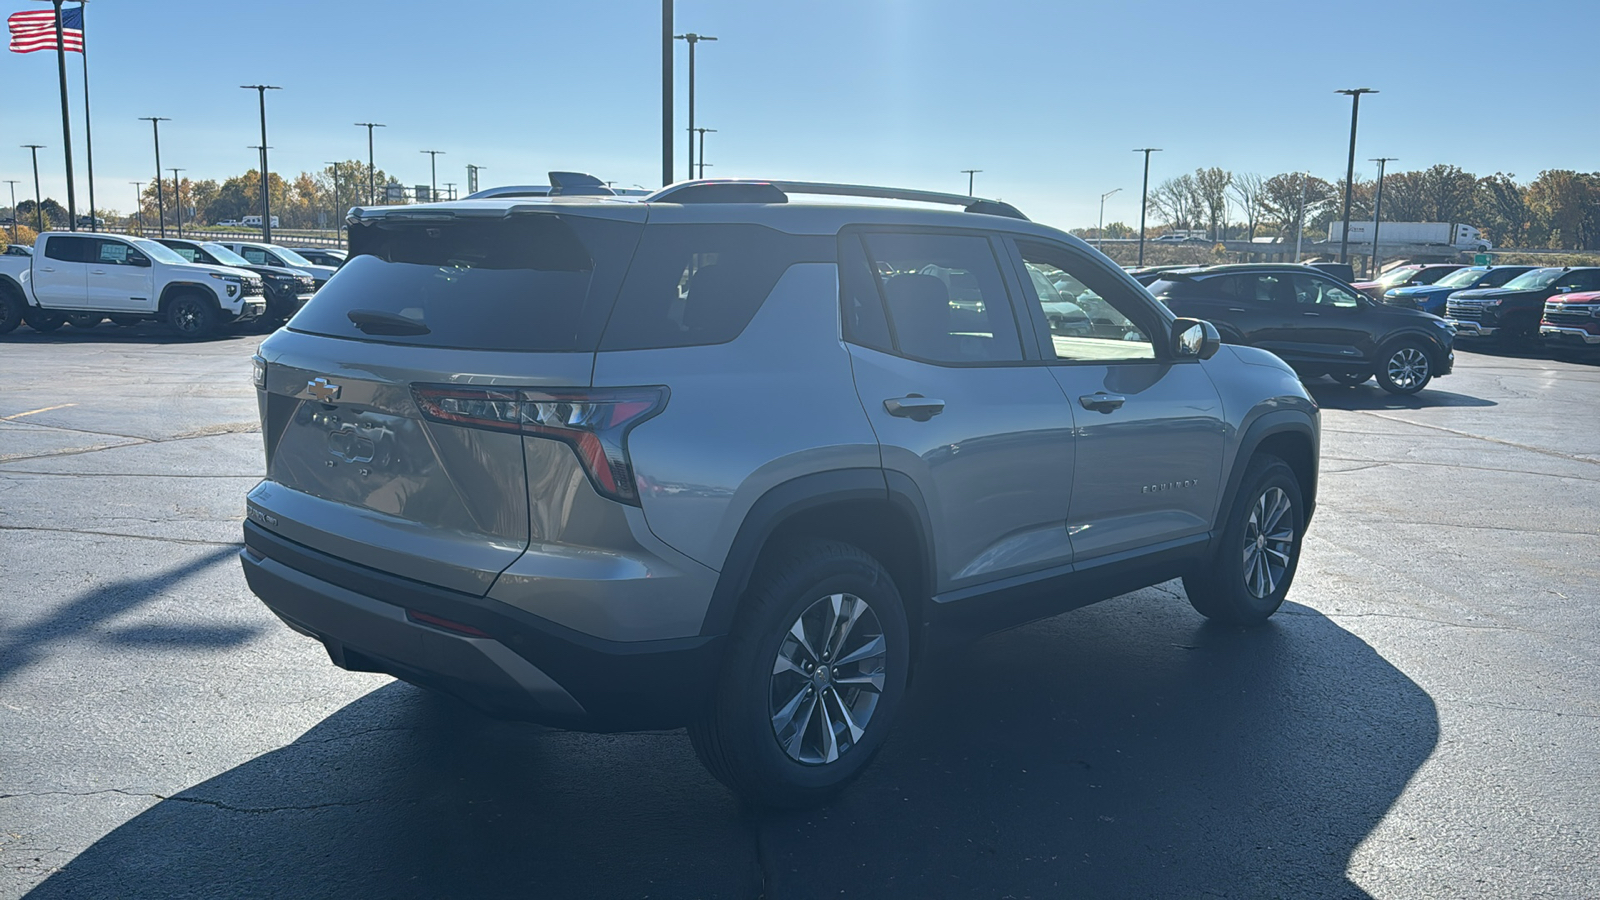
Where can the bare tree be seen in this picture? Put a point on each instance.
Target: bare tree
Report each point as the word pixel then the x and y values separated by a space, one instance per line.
pixel 1280 199
pixel 1246 191
pixel 1211 189
pixel 1177 201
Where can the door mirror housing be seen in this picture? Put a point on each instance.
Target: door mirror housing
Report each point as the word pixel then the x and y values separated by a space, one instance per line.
pixel 142 262
pixel 1195 339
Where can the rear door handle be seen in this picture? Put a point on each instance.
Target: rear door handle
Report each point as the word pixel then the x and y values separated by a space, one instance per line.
pixel 914 406
pixel 1311 314
pixel 1101 401
pixel 47 269
pixel 97 271
pixel 1237 309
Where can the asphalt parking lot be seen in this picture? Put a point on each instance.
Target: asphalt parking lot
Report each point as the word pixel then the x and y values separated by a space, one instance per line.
pixel 1421 720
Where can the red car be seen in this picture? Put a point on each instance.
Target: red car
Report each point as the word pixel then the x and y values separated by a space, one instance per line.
pixel 1572 322
pixel 1405 276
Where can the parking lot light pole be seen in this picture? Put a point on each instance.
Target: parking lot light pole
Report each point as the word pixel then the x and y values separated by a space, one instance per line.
pixel 692 39
pixel 1350 170
pixel 161 200
pixel 266 195
pixel 1144 195
pixel 38 203
pixel 1377 209
pixel 433 173
pixel 1300 215
pixel 13 209
pixel 138 202
pixel 1100 232
pixel 702 153
pixel 372 171
pixel 177 195
pixel 971 175
pixel 338 226
pixel 472 177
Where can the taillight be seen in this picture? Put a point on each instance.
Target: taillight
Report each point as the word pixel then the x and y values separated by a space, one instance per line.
pixel 594 422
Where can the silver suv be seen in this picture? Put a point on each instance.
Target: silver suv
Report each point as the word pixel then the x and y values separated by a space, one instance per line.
pixel 718 459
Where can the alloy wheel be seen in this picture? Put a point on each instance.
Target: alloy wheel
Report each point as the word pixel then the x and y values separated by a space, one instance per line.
pixel 1268 542
pixel 1408 368
pixel 827 679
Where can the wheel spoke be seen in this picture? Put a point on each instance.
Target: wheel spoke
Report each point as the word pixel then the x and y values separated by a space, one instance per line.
pixel 798 632
pixel 869 681
pixel 844 715
pixel 835 603
pixel 1279 555
pixel 830 741
pixel 785 664
pixel 857 606
pixel 783 718
pixel 874 647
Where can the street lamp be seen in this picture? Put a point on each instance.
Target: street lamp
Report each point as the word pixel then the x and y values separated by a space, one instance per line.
pixel 338 226
pixel 13 209
pixel 472 177
pixel 1144 195
pixel 971 174
pixel 1377 209
pixel 38 202
pixel 177 193
pixel 1350 170
pixel 266 196
pixel 702 163
pixel 1100 232
pixel 692 39
pixel 161 200
pixel 433 173
pixel 372 184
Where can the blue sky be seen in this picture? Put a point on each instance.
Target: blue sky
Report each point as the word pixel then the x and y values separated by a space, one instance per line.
pixel 1047 98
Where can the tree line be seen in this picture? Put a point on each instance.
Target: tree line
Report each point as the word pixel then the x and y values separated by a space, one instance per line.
pixel 1559 210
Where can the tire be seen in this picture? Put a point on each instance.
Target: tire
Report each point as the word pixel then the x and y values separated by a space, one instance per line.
pixel 84 320
pixel 42 321
pixel 126 320
pixel 769 677
pixel 1232 588
pixel 1404 367
pixel 1350 379
pixel 12 311
pixel 193 316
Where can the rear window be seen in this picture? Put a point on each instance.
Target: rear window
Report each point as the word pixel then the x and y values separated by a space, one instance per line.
pixel 692 285
pixel 535 283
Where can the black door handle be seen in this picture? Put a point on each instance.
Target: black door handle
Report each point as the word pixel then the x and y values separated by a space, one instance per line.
pixel 1100 401
pixel 914 406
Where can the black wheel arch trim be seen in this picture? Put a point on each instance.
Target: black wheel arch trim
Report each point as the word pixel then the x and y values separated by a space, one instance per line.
pixel 1436 348
pixel 1269 424
pixel 175 288
pixel 784 501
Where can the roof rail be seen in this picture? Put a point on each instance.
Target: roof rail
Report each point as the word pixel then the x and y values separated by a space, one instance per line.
pixel 738 190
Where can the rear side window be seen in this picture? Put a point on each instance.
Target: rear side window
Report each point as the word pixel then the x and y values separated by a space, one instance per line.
pixel 692 285
pixel 69 249
pixel 535 283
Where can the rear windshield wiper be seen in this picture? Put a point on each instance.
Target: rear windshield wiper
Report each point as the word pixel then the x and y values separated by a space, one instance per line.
pixel 377 321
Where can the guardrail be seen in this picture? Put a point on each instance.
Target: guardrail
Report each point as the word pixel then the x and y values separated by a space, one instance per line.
pixel 297 237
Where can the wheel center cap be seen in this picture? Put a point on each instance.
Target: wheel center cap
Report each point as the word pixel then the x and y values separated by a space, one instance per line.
pixel 1261 541
pixel 821 676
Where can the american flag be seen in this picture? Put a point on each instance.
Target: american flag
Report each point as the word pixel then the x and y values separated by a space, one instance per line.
pixel 36 30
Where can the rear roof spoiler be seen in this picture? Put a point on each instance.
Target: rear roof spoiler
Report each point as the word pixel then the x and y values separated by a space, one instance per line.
pixel 750 191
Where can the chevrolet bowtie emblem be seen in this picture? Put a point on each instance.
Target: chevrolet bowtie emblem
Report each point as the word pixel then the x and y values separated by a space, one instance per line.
pixel 321 389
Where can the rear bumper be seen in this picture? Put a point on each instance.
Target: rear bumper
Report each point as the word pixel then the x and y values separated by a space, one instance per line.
pixel 516 665
pixel 1568 337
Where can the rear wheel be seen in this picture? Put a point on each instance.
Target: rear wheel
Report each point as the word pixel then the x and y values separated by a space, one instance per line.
pixel 43 321
pixel 1405 368
pixel 1259 550
pixel 1350 379
pixel 192 316
pixel 84 320
pixel 815 671
pixel 12 311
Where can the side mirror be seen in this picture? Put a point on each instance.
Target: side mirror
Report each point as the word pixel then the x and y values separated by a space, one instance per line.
pixel 1195 339
pixel 142 262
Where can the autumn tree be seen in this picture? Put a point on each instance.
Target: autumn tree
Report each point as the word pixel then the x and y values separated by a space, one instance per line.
pixel 1245 189
pixel 1211 190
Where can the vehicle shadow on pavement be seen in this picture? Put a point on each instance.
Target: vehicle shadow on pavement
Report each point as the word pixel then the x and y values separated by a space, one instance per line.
pixel 1371 397
pixel 148 333
pixel 1123 750
pixel 86 617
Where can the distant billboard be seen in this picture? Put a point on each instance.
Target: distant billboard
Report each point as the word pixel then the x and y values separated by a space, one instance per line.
pixel 422 193
pixel 394 193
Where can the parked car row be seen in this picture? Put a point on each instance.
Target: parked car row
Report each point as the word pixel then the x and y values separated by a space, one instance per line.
pixel 194 286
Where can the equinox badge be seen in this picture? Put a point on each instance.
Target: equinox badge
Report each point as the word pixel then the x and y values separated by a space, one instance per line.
pixel 323 390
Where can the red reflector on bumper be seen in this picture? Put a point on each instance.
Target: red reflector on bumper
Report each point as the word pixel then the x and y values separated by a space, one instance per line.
pixel 445 624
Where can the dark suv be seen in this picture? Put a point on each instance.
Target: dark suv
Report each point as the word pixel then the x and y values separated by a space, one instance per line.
pixel 1512 312
pixel 716 459
pixel 1316 323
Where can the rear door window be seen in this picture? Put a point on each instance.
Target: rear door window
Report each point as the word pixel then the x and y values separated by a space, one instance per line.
pixel 69 249
pixel 692 285
pixel 945 297
pixel 541 282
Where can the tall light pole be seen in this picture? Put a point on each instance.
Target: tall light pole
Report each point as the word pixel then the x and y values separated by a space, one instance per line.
pixel 177 193
pixel 372 171
pixel 1144 195
pixel 13 209
pixel 971 174
pixel 38 202
pixel 450 187
pixel 692 39
pixel 433 172
pixel 472 177
pixel 1300 217
pixel 161 200
pixel 138 202
pixel 1377 209
pixel 266 195
pixel 1350 170
pixel 702 163
pixel 338 226
pixel 667 136
pixel 1100 232
pixel 66 120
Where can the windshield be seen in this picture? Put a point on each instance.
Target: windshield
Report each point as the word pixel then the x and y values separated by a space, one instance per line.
pixel 225 256
pixel 291 257
pixel 159 252
pixel 1462 277
pixel 1538 278
pixel 1396 277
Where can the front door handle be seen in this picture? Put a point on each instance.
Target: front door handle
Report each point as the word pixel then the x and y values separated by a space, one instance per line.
pixel 914 406
pixel 1311 314
pixel 1100 401
pixel 97 271
pixel 1237 309
pixel 47 269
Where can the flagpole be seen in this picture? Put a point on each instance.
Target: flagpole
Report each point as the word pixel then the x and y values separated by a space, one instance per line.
pixel 66 118
pixel 88 135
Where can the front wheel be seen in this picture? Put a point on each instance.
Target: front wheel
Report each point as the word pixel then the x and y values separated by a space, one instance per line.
pixel 12 312
pixel 192 316
pixel 1255 561
pixel 1405 368
pixel 815 671
pixel 42 321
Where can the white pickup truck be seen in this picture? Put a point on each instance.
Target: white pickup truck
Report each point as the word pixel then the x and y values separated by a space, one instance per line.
pixel 80 279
